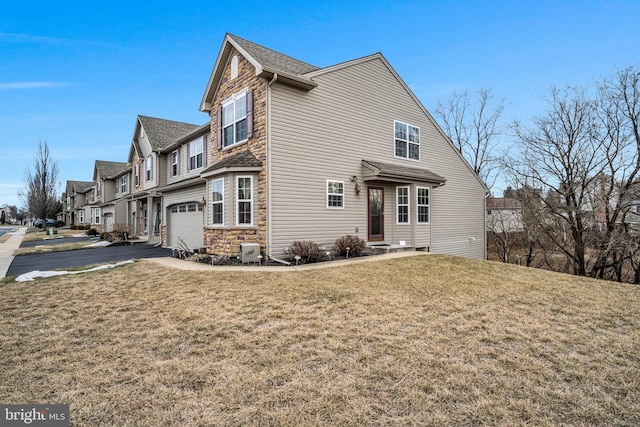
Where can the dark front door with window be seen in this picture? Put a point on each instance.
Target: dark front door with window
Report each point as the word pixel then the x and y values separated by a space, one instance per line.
pixel 376 213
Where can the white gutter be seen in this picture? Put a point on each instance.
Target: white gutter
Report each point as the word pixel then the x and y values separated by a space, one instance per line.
pixel 272 81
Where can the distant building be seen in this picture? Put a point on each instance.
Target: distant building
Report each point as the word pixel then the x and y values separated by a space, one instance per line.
pixel 504 214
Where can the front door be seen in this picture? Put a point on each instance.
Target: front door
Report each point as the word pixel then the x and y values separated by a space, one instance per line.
pixel 376 213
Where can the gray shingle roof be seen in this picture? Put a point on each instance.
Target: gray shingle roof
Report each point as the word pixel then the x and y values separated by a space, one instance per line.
pixel 79 186
pixel 272 59
pixel 162 133
pixel 388 170
pixel 109 170
pixel 242 160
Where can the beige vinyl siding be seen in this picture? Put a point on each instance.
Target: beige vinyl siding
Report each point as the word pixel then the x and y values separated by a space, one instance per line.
pixel 121 212
pixel 183 164
pixel 184 195
pixel 326 133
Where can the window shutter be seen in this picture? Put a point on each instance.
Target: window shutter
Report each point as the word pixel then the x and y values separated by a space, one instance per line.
pixel 205 140
pixel 219 129
pixel 249 113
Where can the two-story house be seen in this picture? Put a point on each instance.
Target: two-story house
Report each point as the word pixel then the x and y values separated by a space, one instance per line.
pixel 150 137
pixel 107 176
pixel 74 202
pixel 298 152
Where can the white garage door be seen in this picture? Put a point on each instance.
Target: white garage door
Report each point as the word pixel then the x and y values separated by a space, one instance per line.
pixel 184 224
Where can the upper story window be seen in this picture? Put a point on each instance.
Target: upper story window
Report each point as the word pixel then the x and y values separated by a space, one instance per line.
pixel 423 205
pixel 123 184
pixel 407 141
pixel 402 204
pixel 175 159
pixel 196 152
pixel 136 174
pixel 148 164
pixel 235 119
pixel 98 190
pixel 335 194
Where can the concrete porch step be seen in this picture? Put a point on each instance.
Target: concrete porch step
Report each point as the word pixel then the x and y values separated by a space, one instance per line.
pixel 388 248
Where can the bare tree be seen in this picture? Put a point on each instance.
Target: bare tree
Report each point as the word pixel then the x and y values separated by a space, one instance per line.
pixel 585 153
pixel 561 152
pixel 473 127
pixel 40 193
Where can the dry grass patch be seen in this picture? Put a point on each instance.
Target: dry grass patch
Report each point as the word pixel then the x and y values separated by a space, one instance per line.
pixel 429 340
pixel 35 233
pixel 46 248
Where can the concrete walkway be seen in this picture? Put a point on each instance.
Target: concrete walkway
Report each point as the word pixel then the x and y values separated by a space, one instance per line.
pixel 181 264
pixel 8 248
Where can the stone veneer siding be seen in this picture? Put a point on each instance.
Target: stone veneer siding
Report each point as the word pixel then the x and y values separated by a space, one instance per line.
pixel 227 240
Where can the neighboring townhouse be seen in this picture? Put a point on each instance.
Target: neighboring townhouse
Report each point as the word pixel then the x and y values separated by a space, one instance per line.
pixel 74 202
pixel 299 152
pixel 183 195
pixel 108 176
pixel 150 137
pixel 504 214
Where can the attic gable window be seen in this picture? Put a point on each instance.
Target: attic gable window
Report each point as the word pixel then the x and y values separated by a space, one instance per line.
pixel 148 167
pixel 407 141
pixel 136 174
pixel 235 119
pixel 234 67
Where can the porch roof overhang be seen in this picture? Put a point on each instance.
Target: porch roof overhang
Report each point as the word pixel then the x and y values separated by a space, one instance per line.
pixel 379 171
pixel 243 162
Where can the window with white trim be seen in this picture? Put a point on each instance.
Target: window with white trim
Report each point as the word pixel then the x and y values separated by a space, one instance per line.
pixel 407 141
pixel 234 120
pixel 217 202
pixel 136 174
pixel 335 194
pixel 402 205
pixel 196 154
pixel 123 184
pixel 244 200
pixel 422 200
pixel 175 159
pixel 81 217
pixel 148 167
pixel 98 190
pixel 96 215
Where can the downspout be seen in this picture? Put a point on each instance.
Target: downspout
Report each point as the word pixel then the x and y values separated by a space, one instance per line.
pixel 271 82
pixel 484 225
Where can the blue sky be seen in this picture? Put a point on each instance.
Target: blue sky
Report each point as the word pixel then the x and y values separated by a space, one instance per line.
pixel 76 74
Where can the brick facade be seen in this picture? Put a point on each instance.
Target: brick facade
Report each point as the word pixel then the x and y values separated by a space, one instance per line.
pixel 226 240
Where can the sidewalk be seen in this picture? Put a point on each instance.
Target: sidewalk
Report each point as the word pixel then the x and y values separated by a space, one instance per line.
pixel 8 248
pixel 181 264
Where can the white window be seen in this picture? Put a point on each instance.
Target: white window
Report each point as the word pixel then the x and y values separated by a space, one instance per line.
pixel 136 174
pixel 407 141
pixel 335 194
pixel 234 120
pixel 123 184
pixel 81 217
pixel 196 154
pixel 96 215
pixel 98 189
pixel 217 200
pixel 402 205
pixel 192 207
pixel 148 167
pixel 422 199
pixel 244 200
pixel 174 163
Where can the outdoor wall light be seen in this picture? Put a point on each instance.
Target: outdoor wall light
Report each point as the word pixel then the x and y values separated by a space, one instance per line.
pixel 353 178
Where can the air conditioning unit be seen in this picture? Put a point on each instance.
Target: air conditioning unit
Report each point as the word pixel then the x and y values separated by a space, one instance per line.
pixel 249 252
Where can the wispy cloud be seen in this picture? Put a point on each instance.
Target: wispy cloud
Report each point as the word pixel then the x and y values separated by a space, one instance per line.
pixel 30 85
pixel 27 38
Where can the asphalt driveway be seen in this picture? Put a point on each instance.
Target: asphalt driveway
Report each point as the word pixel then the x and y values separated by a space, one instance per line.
pixel 82 257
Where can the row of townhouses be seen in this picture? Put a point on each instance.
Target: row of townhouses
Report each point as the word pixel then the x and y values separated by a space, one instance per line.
pixel 291 152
